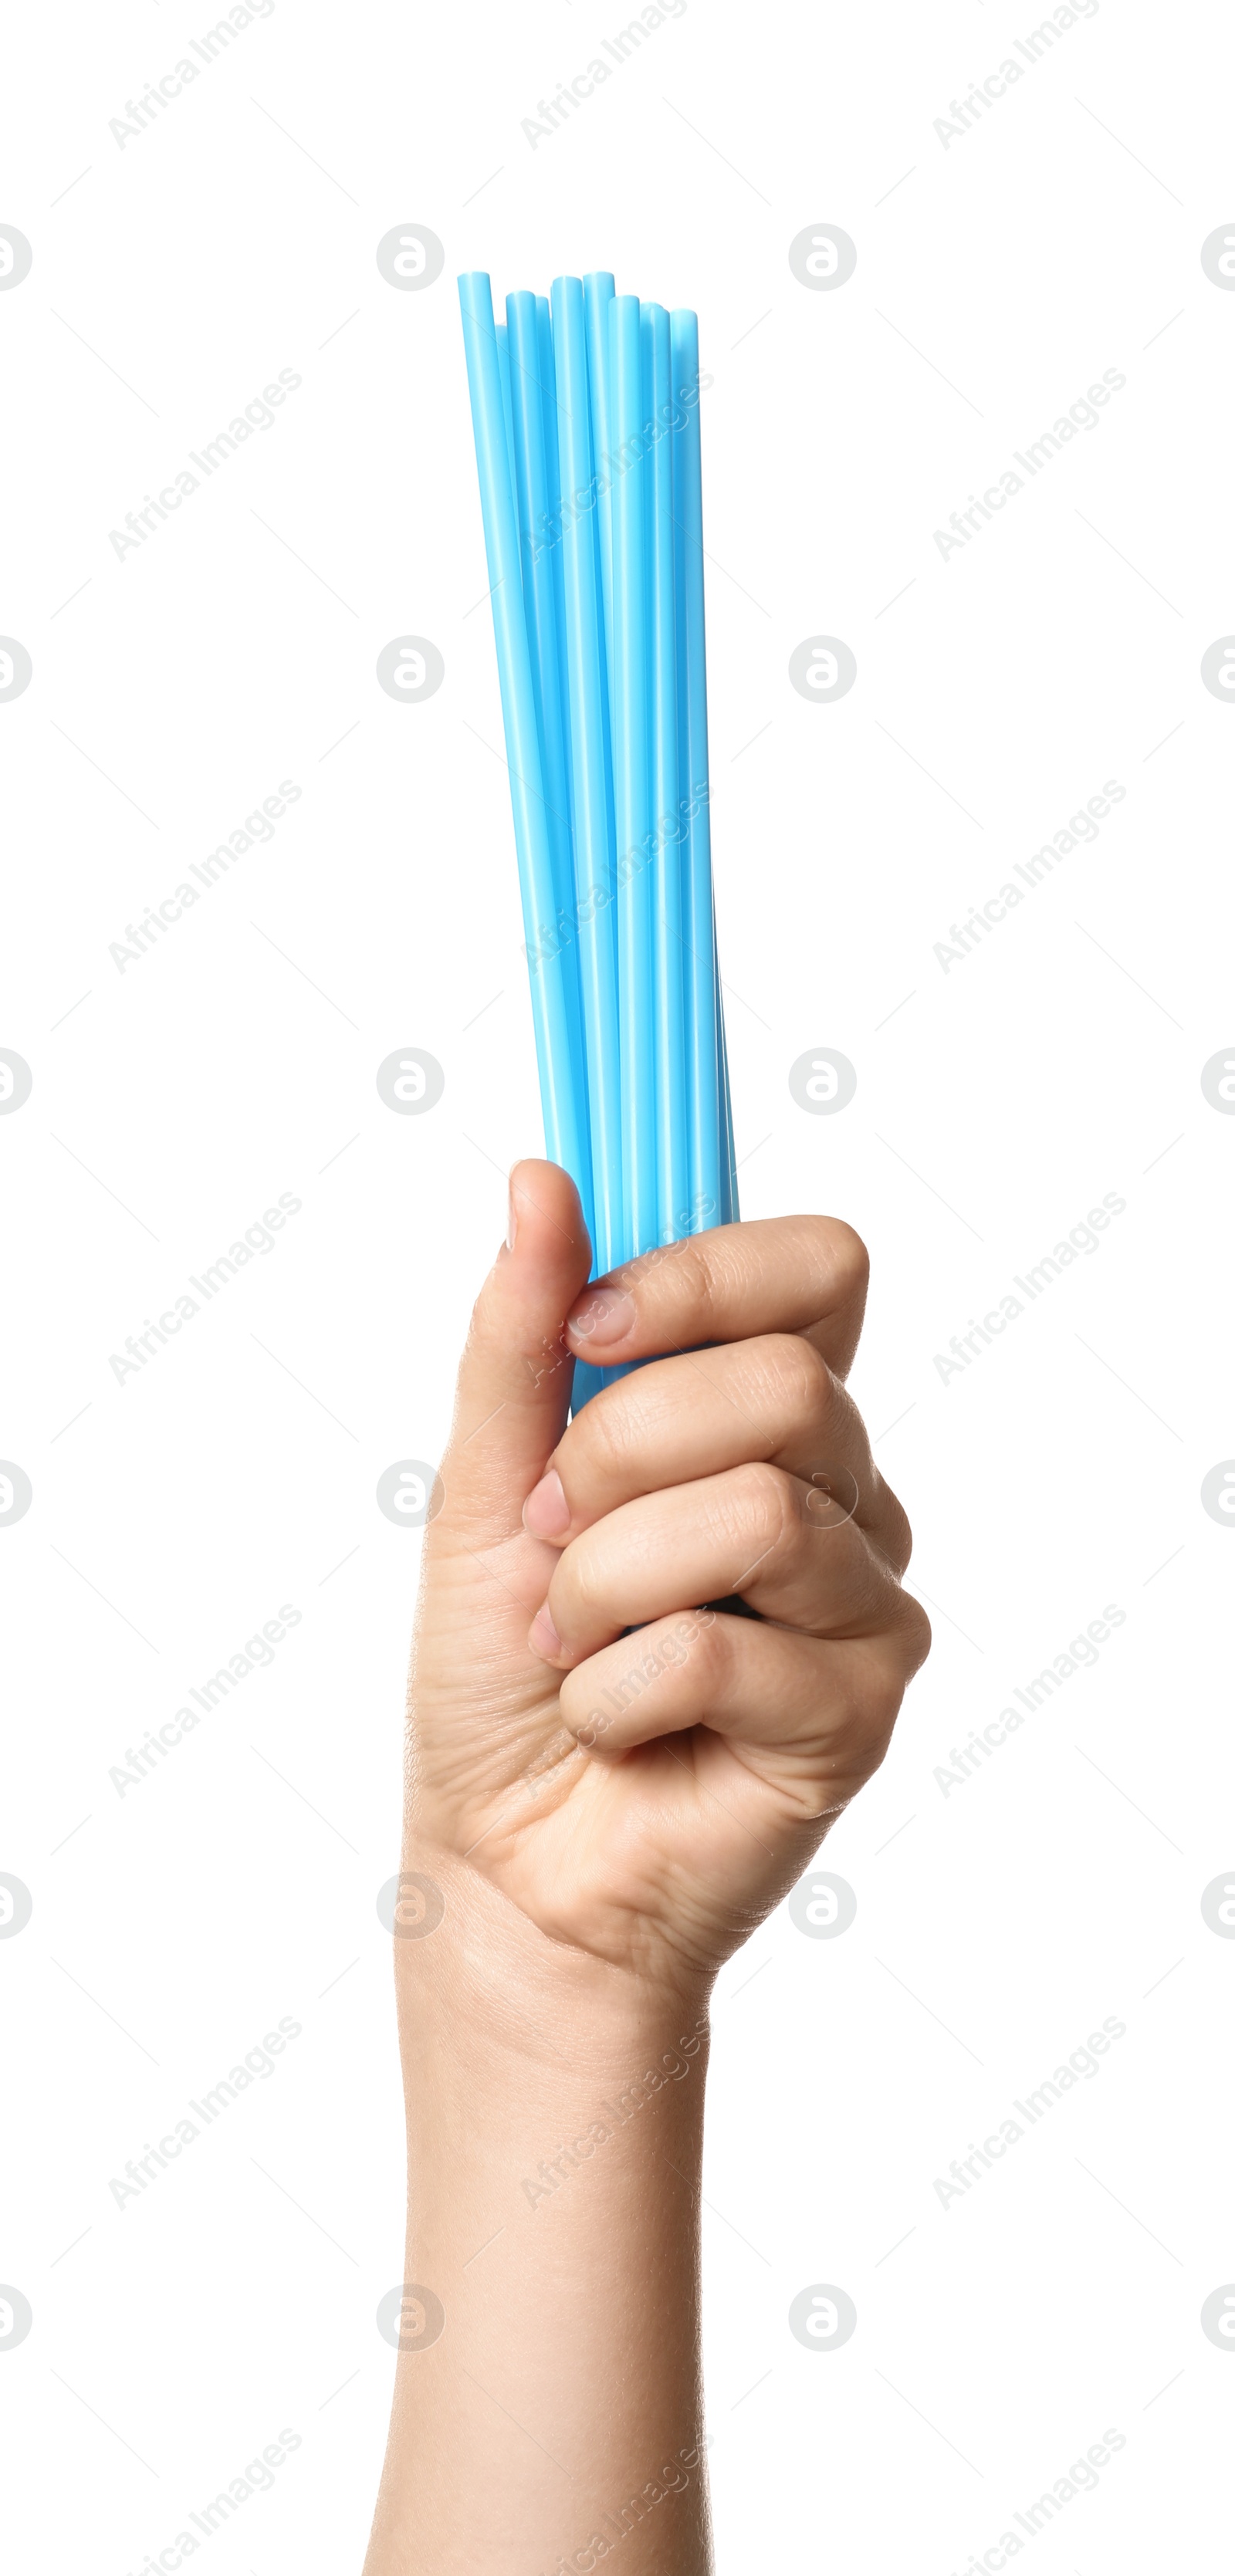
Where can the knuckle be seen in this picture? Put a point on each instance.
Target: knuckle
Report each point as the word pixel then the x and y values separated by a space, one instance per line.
pixel 764 1498
pixel 693 1276
pixel 688 1655
pixel 897 1539
pixel 573 1589
pixel 577 1589
pixel 578 1697
pixel 800 1377
pixel 710 1655
pixel 848 1258
pixel 878 1689
pixel 683 1266
pixel 881 1702
pixel 915 1630
pixel 597 1444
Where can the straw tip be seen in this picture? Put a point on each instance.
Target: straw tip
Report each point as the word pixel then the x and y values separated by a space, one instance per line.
pixel 475 294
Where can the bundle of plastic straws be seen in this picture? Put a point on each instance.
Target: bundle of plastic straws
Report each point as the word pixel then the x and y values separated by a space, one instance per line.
pixel 586 418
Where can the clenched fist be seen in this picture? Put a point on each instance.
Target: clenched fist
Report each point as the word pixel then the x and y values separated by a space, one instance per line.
pixel 660 1647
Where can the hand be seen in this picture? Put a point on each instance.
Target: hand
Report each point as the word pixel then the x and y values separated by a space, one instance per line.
pixel 645 1800
pixel 608 1815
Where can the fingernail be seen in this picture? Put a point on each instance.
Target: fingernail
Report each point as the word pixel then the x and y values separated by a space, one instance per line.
pixel 606 1315
pixel 546 1513
pixel 543 1637
pixel 512 1218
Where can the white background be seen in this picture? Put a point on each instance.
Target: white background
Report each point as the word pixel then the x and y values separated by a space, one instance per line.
pixel 997 278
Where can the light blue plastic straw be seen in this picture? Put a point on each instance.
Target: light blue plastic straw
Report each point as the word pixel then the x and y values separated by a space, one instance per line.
pixel 563 1102
pixel 591 774
pixel 547 548
pixel 536 501
pixel 597 298
pixel 503 359
pixel 629 717
pixel 533 501
pixel 698 926
pixel 548 539
pixel 672 1120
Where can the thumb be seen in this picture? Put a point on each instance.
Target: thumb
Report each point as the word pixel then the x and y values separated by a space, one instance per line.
pixel 516 1371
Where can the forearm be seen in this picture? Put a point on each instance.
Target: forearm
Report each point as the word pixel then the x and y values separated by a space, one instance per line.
pixel 555 2114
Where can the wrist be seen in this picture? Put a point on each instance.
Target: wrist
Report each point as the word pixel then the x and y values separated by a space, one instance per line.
pixel 474 1966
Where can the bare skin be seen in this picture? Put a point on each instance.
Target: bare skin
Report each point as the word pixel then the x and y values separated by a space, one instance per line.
pixel 607 1817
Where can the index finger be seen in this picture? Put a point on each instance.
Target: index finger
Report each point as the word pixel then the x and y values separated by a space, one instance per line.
pixel 788 1274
